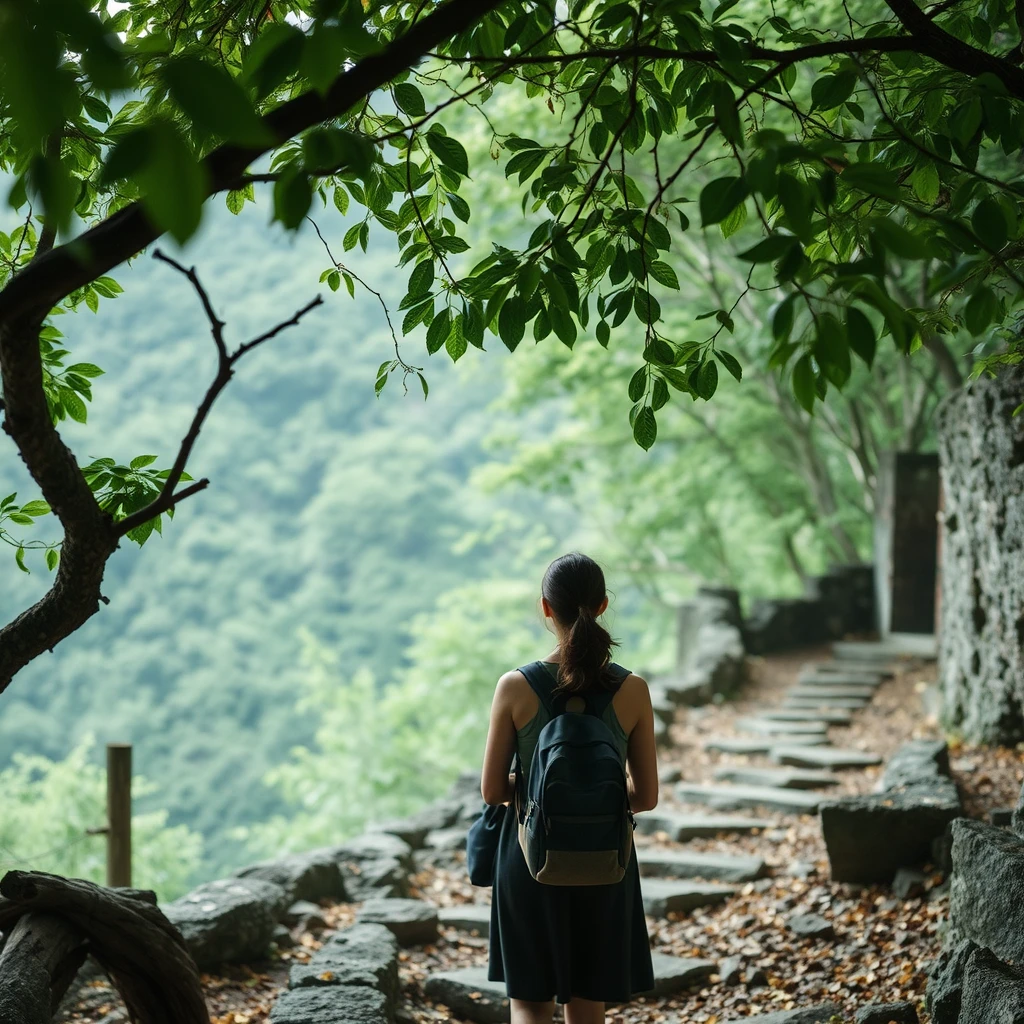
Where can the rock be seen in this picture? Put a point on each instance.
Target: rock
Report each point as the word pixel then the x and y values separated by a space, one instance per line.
pixel 331 1004
pixel 763 744
pixel 447 839
pixel 717 867
pixel 681 827
pixel 784 623
pixel 835 716
pixel 757 978
pixel 778 778
pixel 730 971
pixel 365 954
pixel 414 828
pixel 663 897
pixel 811 926
pixel 945 982
pixel 688 689
pixel 675 973
pixel 828 757
pixel 413 922
pixel 1001 816
pixel 917 763
pixel 993 992
pixel 829 691
pixel 469 995
pixel 879 668
pixel 375 864
pixel 886 1013
pixel 981 668
pixel 231 920
pixel 893 648
pixel 467 784
pixel 848 678
pixel 669 774
pixel 826 703
pixel 711 640
pixel 869 838
pixel 313 875
pixel 283 937
pixel 770 726
pixel 732 797
pixel 986 902
pixel 305 913
pixel 908 884
pixel 474 918
pixel 664 706
pixel 820 1014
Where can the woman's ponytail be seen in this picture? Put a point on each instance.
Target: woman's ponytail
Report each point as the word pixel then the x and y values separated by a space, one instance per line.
pixel 574 588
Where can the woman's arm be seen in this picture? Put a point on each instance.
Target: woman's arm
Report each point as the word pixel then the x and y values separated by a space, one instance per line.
pixel 641 753
pixel 496 784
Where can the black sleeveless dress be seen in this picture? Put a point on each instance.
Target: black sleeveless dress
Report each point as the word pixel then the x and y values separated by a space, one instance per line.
pixel 555 941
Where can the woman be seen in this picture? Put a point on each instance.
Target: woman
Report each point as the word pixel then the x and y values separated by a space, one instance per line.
pixel 582 945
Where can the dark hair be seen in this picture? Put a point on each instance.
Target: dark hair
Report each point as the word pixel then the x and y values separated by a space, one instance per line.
pixel 574 588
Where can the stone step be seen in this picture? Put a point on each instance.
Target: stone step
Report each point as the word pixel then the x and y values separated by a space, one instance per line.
pixel 827 757
pixel 728 797
pixel 769 725
pixel 839 679
pixel 657 862
pixel 832 690
pixel 675 973
pixel 833 703
pixel 680 827
pixel 893 647
pixel 762 744
pixel 662 896
pixel 871 668
pixel 474 918
pixel 834 716
pixel 820 1014
pixel 780 778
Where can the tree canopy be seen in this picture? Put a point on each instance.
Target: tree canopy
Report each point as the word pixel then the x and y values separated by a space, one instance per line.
pixel 866 143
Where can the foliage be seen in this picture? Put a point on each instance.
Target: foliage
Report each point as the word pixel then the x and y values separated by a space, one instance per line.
pixel 382 752
pixel 49 805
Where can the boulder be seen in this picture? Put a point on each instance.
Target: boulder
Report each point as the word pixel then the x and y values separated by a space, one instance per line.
pixel 331 1004
pixel 710 641
pixel 365 954
pixel 820 1014
pixel 945 982
pixel 313 875
pixel 447 839
pixel 413 922
pixel 469 995
pixel 474 918
pixel 986 902
pixel 887 1013
pixel 309 915
pixel 993 992
pixel 414 828
pixel 374 864
pixel 685 689
pixel 467 784
pixel 231 920
pixel 676 973
pixel 917 763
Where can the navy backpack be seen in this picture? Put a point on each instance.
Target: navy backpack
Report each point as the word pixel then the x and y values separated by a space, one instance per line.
pixel 575 825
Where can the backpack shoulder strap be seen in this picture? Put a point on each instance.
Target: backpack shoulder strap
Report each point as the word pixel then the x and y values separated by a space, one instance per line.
pixel 543 684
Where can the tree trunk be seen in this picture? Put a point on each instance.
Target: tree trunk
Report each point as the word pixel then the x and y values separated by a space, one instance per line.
pixel 39 960
pixel 981 636
pixel 139 948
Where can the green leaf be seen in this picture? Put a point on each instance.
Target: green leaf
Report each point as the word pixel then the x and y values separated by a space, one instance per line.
pixel 719 198
pixel 423 385
pixel 449 151
pixel 730 362
pixel 603 333
pixel 925 183
pixel 770 249
pixel 141 461
pixel 872 178
pixel 830 91
pixel 35 508
pixel 437 332
pixel 897 239
pixel 981 310
pixel 292 197
pixel 215 101
pixel 85 370
pixel 803 382
pixel 799 206
pixel 455 346
pixel 422 278
pixel 173 182
pixel 410 100
pixel 52 558
pixel 782 318
pixel 860 334
pixel 19 557
pixel 645 428
pixel 989 223
pixel 637 384
pixel 512 322
pixel 663 274
pixel 73 405
pixel 707 379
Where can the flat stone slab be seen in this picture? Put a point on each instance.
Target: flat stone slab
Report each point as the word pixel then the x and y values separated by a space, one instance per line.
pixel 331 1004
pixel 872 668
pixel 833 716
pixel 365 954
pixel 887 1013
pixel 469 995
pixel 819 1014
pixel 413 922
pixel 826 757
pixel 839 679
pixel 474 918
pixel 663 897
pixel 713 867
pixel 681 827
pixel 769 725
pixel 728 797
pixel 817 690
pixel 900 646
pixel 762 744
pixel 836 703
pixel 780 778
pixel 675 973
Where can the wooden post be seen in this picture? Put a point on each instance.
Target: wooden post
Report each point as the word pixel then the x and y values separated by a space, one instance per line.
pixel 119 814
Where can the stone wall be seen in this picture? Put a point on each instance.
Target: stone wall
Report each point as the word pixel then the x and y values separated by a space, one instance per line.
pixel 710 645
pixel 981 666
